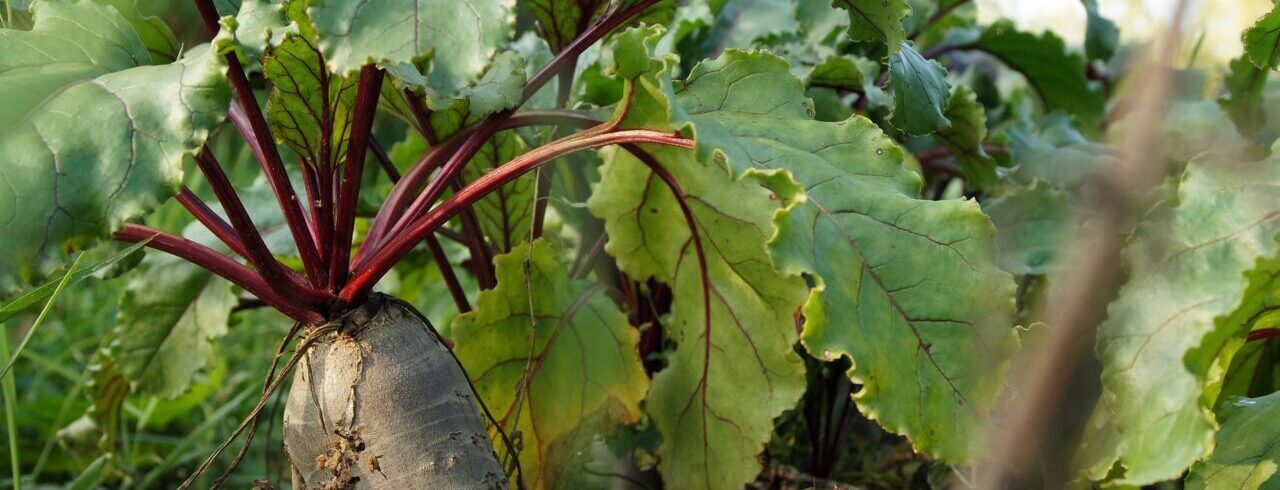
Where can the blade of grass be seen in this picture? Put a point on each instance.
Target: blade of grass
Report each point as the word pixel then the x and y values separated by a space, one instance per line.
pixel 10 418
pixel 34 326
pixel 36 295
pixel 92 475
pixel 178 452
pixel 52 438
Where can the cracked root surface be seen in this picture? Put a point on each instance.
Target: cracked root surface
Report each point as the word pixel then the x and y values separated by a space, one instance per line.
pixel 381 405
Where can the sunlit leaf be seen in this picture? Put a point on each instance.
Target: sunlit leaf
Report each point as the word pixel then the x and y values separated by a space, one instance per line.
pixel 90 135
pixel 876 20
pixel 459 37
pixel 1246 454
pixel 733 370
pixel 584 377
pixel 1262 41
pixel 1171 327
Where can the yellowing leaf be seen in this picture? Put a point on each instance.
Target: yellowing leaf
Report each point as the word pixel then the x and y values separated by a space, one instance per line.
pixel 732 318
pixel 1187 296
pixel 584 376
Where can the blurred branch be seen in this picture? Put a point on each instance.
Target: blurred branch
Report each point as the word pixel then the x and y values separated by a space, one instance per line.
pixel 1017 440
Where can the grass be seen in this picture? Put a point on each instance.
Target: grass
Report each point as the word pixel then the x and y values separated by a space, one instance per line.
pixel 10 391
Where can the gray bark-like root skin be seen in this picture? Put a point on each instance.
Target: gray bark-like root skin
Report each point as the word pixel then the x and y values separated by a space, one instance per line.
pixel 381 404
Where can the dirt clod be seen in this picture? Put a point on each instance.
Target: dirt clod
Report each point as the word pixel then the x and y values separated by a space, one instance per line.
pixel 374 467
pixel 341 455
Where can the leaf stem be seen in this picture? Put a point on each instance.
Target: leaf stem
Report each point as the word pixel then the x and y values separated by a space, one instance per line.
pixel 319 191
pixel 211 221
pixel 352 172
pixel 367 275
pixel 546 175
pixel 937 16
pixel 258 135
pixel 221 265
pixel 248 119
pixel 423 116
pixel 384 160
pixel 446 271
pixel 277 276
pixel 401 194
pixel 1263 334
pixel 433 244
pixel 494 122
pixel 481 258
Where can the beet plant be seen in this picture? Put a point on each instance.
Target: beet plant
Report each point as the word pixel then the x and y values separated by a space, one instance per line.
pixel 679 244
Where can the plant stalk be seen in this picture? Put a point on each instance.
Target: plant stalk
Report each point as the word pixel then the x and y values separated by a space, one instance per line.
pixel 362 283
pixel 221 265
pixel 279 278
pixel 352 172
pixel 401 194
pixel 433 244
pixel 211 221
pixel 495 122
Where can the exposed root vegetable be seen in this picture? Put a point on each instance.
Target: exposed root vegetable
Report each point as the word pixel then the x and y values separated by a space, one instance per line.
pixel 381 404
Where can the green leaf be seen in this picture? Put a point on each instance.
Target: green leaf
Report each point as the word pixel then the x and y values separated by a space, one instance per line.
pixel 908 288
pixel 584 377
pixel 742 23
pixel 459 37
pixel 840 72
pixel 501 87
pixel 90 135
pixel 883 259
pixel 920 92
pixel 1101 36
pixel 169 313
pixel 1262 41
pixel 733 369
pixel 107 390
pixel 1056 75
pixel 876 20
pixel 35 296
pixel 1030 227
pixel 260 25
pixel 1246 453
pixel 559 21
pixel 1055 152
pixel 1252 371
pixel 506 214
pixel 1185 299
pixel 92 475
pixel 309 108
pixel 1244 101
pixel 819 19
pixel 1257 310
pixel 154 33
pixel 965 136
